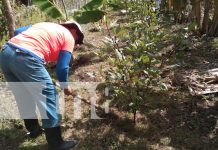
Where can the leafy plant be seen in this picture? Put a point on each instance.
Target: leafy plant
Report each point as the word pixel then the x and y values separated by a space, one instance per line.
pixel 134 72
pixel 90 12
pixel 93 5
pixel 85 17
pixel 49 8
pixel 94 11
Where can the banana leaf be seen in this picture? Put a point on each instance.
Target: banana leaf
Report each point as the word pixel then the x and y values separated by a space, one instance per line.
pixel 85 17
pixel 49 8
pixel 93 5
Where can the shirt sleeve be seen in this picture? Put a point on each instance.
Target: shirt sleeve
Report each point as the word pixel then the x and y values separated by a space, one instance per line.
pixel 21 29
pixel 62 68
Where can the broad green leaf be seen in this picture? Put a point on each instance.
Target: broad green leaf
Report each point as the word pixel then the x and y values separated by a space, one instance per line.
pixel 121 33
pixel 52 11
pixel 129 50
pixel 89 16
pixel 49 8
pixel 145 59
pixel 94 4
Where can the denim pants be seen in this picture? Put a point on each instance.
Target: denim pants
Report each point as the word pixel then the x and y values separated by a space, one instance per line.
pixel 31 85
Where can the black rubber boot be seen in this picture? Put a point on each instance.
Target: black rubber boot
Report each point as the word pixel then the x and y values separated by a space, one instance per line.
pixel 32 125
pixel 55 141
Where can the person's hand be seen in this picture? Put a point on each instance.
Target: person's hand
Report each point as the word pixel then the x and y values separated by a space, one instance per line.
pixel 68 91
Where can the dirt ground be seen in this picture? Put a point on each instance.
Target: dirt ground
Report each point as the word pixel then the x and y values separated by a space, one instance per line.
pixel 172 120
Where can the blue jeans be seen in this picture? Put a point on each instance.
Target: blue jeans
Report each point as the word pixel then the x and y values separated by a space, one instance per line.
pixel 24 73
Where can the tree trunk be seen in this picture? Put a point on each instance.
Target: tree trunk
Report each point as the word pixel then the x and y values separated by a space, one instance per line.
pixel 214 25
pixel 170 4
pixel 206 19
pixel 9 16
pixel 197 11
pixel 178 7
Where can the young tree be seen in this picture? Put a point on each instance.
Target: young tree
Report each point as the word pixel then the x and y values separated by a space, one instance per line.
pixel 9 16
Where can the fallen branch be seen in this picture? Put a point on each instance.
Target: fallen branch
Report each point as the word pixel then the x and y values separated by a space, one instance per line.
pixel 211 79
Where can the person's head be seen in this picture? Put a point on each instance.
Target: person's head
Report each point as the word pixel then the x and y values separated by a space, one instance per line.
pixel 75 30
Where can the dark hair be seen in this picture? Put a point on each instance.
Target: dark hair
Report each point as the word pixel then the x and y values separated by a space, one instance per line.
pixel 79 33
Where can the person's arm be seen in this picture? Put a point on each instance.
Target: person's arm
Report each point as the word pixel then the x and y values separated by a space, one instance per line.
pixel 21 29
pixel 62 68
